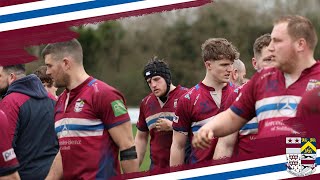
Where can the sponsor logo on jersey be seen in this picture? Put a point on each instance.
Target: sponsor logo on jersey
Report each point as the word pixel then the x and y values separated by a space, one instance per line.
pixel 287 106
pixel 8 155
pixel 118 108
pixel 301 155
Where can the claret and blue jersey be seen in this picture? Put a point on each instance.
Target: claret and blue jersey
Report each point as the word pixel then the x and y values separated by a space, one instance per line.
pixel 196 108
pixel 82 120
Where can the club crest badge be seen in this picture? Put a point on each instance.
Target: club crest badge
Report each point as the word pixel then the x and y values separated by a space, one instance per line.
pixel 175 103
pixel 313 83
pixel 79 105
pixel 301 154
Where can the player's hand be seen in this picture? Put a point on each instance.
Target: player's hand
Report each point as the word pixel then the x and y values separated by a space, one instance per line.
pixel 163 124
pixel 203 138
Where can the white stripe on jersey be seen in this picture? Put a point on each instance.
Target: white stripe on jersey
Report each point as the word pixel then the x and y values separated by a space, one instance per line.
pixel 250 128
pixel 78 121
pixel 195 126
pixel 76 133
pixel 79 127
pixel 278 106
pixel 160 114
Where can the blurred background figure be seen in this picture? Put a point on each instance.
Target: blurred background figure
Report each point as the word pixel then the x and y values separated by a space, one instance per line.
pixel 46 81
pixel 238 73
pixel 261 55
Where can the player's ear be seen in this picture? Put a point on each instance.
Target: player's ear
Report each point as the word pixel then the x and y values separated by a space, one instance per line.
pixel 300 44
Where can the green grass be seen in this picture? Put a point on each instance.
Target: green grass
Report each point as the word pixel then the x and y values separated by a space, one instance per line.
pixel 146 161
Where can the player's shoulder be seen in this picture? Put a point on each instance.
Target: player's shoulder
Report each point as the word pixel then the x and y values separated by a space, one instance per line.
pixel 190 94
pixel 3 118
pixel 265 74
pixel 182 88
pixel 148 98
pixel 102 87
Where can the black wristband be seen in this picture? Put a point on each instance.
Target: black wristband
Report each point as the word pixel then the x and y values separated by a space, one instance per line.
pixel 128 154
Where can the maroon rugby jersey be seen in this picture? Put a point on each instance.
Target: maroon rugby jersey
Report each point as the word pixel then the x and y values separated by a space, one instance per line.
pixel 151 108
pixel 83 117
pixel 196 108
pixel 267 97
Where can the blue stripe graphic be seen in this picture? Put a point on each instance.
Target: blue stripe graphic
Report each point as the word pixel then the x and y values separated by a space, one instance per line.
pixel 249 126
pixel 79 127
pixel 270 107
pixel 247 172
pixel 91 82
pixel 149 123
pixel 62 9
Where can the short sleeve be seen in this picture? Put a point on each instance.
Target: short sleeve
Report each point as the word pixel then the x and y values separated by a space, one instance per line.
pixel 244 103
pixel 110 107
pixel 142 124
pixel 182 122
pixel 8 160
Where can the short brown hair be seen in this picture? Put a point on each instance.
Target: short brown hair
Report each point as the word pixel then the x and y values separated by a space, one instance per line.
pixel 17 69
pixel 260 43
pixel 41 73
pixel 60 49
pixel 300 27
pixel 217 49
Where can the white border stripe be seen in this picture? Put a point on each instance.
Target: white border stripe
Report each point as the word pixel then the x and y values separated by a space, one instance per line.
pixel 87 14
pixel 37 5
pixel 229 167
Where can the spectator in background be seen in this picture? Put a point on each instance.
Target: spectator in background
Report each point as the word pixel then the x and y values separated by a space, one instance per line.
pixel 46 81
pixel 8 162
pixel 30 114
pixel 238 73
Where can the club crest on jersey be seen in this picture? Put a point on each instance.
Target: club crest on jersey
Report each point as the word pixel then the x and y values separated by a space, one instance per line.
pixel 313 83
pixel 79 105
pixel 301 154
pixel 175 103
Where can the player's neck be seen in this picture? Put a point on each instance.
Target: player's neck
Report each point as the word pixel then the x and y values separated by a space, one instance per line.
pixel 300 66
pixel 78 77
pixel 172 87
pixel 213 83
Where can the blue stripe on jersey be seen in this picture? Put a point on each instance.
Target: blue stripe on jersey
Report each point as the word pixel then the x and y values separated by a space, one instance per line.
pixel 270 107
pixel 79 127
pixel 195 128
pixel 149 123
pixel 91 82
pixel 250 126
pixel 236 110
pixel 179 129
pixel 116 124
